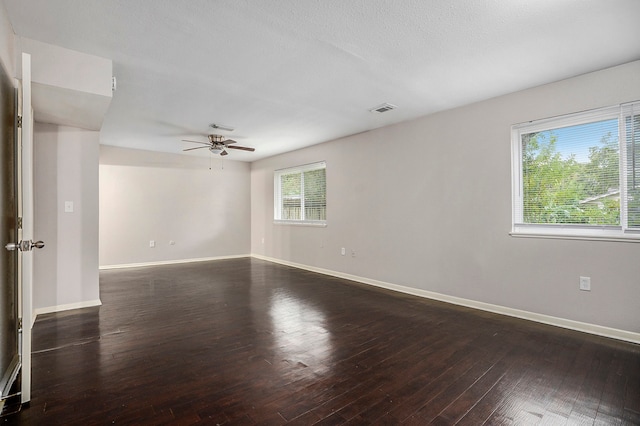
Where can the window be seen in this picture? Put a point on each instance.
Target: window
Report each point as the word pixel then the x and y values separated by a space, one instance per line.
pixel 301 195
pixel 578 175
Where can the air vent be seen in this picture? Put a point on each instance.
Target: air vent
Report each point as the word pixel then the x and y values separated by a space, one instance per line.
pixel 221 127
pixel 383 108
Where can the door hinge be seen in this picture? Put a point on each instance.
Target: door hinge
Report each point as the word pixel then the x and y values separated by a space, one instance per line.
pixel 19 223
pixel 19 323
pixel 19 122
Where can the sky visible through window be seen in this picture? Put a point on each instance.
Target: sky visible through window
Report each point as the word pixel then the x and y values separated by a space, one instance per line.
pixel 578 139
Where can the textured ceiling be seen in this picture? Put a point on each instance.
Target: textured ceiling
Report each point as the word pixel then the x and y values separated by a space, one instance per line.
pixel 292 73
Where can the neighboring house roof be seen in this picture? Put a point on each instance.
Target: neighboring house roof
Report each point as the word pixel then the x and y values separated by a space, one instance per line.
pixel 612 194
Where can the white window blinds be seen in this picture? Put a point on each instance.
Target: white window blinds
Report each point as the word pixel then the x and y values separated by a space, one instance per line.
pixel 300 194
pixel 630 129
pixel 578 173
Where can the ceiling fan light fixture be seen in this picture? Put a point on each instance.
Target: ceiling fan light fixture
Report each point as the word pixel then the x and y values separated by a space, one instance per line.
pixel 216 149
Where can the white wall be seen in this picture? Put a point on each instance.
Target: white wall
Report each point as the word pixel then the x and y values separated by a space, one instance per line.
pixel 69 88
pixel 66 169
pixel 56 66
pixel 427 204
pixel 7 42
pixel 169 197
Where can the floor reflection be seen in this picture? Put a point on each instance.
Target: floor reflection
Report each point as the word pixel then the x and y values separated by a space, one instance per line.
pixel 300 332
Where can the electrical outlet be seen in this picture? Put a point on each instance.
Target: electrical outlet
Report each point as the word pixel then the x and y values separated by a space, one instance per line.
pixel 585 283
pixel 172 243
pixel 152 243
pixel 343 251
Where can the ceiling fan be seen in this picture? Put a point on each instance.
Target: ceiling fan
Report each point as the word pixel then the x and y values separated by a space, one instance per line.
pixel 218 144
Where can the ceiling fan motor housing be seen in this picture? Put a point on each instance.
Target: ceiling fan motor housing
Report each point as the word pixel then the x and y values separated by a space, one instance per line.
pixel 216 148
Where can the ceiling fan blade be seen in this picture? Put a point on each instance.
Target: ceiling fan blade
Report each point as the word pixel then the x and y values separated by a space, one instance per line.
pixel 204 143
pixel 243 148
pixel 224 153
pixel 198 147
pixel 228 141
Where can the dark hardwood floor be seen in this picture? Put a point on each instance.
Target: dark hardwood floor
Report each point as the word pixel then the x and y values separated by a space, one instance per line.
pixel 249 342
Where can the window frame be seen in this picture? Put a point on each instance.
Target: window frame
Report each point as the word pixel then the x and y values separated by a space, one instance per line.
pixel 571 231
pixel 277 194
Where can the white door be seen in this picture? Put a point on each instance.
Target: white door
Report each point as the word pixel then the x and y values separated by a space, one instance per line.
pixel 9 315
pixel 24 243
pixel 25 204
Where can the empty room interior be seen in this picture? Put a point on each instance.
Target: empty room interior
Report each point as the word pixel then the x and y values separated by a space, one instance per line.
pixel 324 212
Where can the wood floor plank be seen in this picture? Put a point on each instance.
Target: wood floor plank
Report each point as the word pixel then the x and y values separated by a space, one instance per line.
pixel 495 397
pixel 475 392
pixel 452 393
pixel 632 390
pixel 245 341
pixel 590 395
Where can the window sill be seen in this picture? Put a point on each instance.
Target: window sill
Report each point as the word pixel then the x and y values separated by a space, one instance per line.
pixel 577 235
pixel 300 223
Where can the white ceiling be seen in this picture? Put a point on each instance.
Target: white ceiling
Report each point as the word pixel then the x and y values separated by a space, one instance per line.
pixel 292 73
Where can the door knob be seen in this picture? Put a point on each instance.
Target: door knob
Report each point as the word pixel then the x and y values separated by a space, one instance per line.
pixel 12 246
pixel 37 244
pixel 27 245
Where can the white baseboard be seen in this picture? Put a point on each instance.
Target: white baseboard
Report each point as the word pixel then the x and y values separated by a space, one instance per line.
pixel 598 330
pixel 172 262
pixel 67 307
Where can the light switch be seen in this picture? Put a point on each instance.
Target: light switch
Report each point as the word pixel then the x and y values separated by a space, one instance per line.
pixel 68 206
